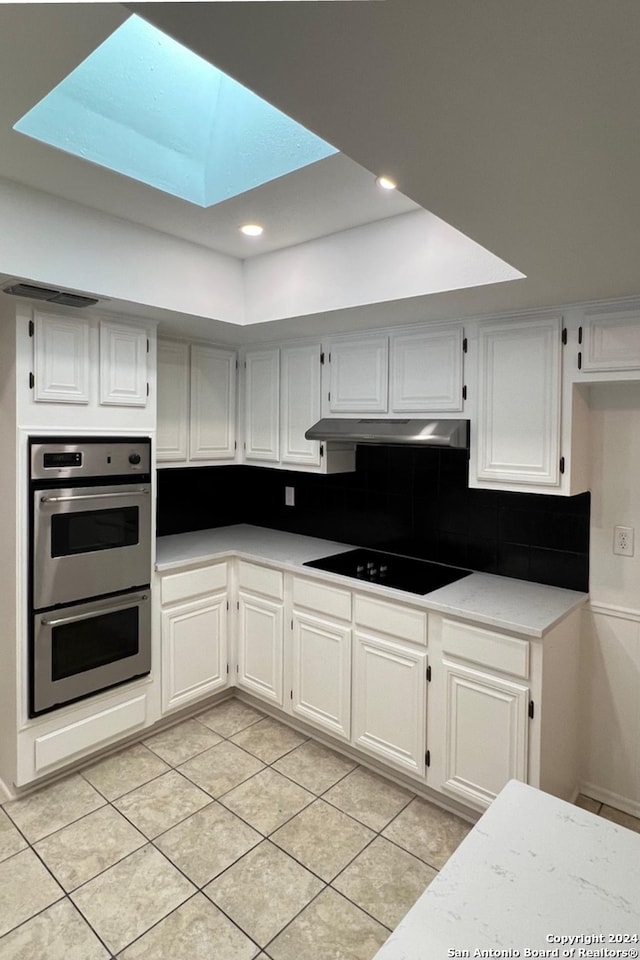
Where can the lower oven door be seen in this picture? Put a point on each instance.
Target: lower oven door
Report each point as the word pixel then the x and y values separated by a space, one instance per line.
pixel 81 649
pixel 90 541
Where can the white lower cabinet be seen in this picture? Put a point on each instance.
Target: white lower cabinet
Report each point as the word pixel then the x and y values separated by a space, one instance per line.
pixel 483 734
pixel 260 631
pixel 501 707
pixel 389 701
pixel 321 656
pixel 193 634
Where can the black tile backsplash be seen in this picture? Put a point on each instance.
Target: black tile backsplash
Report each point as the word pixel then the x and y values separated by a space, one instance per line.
pixel 406 500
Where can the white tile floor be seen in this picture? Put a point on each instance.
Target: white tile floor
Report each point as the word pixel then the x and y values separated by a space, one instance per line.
pixel 229 836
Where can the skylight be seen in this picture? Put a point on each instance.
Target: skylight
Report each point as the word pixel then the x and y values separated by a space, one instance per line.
pixel 143 105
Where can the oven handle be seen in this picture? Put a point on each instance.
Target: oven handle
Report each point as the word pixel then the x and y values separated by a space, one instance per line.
pixel 62 621
pixel 94 496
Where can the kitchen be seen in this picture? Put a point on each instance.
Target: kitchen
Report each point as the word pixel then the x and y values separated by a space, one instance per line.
pixel 198 285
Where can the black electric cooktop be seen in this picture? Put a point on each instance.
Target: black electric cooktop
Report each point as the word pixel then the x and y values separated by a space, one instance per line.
pixel 390 570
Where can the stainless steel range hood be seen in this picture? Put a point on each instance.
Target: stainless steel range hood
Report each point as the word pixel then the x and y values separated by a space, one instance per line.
pixel 419 433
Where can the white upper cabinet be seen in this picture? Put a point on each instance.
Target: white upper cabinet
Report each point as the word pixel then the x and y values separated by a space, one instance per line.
pixel 610 340
pixel 300 403
pixel 173 400
pixel 213 403
pixel 61 359
pixel 426 370
pixel 358 374
pixel 262 405
pixel 196 403
pixel 516 440
pixel 123 364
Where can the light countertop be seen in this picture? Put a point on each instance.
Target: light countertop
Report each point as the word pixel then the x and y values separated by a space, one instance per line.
pixel 533 871
pixel 530 609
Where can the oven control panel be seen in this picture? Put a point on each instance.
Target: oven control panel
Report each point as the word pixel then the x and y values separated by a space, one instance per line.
pixel 79 458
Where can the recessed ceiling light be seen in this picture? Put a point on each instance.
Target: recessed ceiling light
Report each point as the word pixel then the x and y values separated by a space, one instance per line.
pixel 251 229
pixel 386 183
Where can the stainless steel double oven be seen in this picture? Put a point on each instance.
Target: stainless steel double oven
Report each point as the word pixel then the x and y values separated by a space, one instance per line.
pixel 90 566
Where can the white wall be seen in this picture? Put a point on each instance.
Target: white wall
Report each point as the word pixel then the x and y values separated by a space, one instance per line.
pixel 56 242
pixel 611 640
pixel 409 255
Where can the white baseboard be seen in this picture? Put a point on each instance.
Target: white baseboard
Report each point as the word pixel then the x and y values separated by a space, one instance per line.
pixel 610 798
pixel 5 792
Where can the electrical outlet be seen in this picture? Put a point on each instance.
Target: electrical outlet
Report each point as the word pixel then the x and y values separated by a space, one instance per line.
pixel 290 496
pixel 623 541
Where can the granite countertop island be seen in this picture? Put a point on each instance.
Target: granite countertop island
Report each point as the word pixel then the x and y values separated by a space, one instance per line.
pixel 535 877
pixel 530 609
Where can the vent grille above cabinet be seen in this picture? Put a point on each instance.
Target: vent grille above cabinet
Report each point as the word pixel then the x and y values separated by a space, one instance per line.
pixel 34 292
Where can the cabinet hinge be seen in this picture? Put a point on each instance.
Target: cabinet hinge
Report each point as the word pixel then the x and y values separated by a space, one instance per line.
pixel 429 674
pixel 148 345
pixel 329 396
pixel 561 464
pixel 245 364
pixel 32 381
pixel 465 345
pixel 227 609
pixel 427 758
pixel 227 668
pixel 237 604
pixel 321 450
pixel 579 334
pixel 531 709
pixel 329 356
pixel 579 359
pixel 291 694
pixel 147 388
pixel 564 336
pixel 292 623
pixel 464 392
pixel 322 358
pixel 31 328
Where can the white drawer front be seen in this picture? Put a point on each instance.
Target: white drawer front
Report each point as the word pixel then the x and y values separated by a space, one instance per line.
pixel 193 583
pixel 392 618
pixel 495 650
pixel 89 733
pixel 329 600
pixel 255 579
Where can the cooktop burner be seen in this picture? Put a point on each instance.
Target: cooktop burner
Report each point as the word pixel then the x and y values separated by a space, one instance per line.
pixel 390 570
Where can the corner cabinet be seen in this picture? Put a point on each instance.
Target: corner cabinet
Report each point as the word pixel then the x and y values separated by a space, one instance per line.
pixel 196 403
pixel 262 405
pixel 194 618
pixel 517 435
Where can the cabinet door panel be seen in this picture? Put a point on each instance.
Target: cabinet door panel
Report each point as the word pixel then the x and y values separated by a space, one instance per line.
pixel 518 434
pixel 213 403
pixel 173 400
pixel 611 341
pixel 322 674
pixel 123 364
pixel 486 733
pixel 194 650
pixel 389 715
pixel 300 394
pixel 61 359
pixel 260 647
pixel 262 408
pixel 426 371
pixel 359 375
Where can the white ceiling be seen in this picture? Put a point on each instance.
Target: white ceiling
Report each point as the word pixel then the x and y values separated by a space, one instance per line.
pixel 331 195
pixel 516 122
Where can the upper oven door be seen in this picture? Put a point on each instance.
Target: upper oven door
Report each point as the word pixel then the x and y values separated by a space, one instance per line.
pixel 89 541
